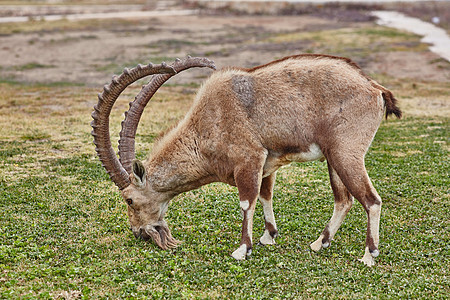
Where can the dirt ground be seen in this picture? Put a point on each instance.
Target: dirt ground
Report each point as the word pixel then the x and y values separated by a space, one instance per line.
pixel 89 52
pixel 83 55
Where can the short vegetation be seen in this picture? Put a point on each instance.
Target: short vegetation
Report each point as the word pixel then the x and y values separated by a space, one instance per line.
pixel 64 230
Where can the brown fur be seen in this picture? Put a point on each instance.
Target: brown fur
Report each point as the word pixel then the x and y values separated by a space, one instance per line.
pixel 246 123
pixel 307 55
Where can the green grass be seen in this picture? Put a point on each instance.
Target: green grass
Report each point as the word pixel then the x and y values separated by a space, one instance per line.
pixel 13 81
pixel 42 26
pixel 63 225
pixel 31 65
pixel 64 229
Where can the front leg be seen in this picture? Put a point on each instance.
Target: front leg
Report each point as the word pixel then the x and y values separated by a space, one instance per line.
pixel 248 181
pixel 265 197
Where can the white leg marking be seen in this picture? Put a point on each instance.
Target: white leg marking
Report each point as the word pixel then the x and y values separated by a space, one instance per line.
pixel 269 217
pixel 240 252
pixel 367 259
pixel 374 212
pixel 340 208
pixel 268 212
pixel 317 245
pixel 249 215
pixel 245 205
pixel 336 220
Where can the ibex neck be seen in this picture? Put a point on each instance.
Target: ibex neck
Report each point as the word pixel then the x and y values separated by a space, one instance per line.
pixel 177 164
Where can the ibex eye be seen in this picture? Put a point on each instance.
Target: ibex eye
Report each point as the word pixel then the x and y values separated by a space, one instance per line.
pixel 129 201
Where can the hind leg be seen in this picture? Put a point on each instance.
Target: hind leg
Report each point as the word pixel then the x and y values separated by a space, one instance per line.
pixel 265 197
pixel 353 175
pixel 343 201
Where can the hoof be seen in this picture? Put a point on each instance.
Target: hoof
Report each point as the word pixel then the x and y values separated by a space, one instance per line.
pixel 326 245
pixel 317 245
pixel 367 259
pixel 241 252
pixel 267 239
pixel 375 253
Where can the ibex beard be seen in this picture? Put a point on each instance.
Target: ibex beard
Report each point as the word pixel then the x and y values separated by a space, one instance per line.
pixel 147 217
pixel 243 125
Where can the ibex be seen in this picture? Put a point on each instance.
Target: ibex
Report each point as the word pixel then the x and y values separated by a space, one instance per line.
pixel 244 124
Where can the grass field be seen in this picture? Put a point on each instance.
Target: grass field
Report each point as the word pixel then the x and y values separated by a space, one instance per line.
pixel 64 230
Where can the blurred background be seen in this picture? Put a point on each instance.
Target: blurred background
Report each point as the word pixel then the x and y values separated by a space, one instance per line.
pixel 85 42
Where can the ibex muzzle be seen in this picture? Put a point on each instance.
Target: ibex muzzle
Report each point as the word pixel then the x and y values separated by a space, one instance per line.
pixel 244 125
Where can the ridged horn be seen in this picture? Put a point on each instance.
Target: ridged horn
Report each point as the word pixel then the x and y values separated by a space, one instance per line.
pixel 133 115
pixel 101 114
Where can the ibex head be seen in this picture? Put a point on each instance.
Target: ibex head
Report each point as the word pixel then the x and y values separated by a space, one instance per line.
pixel 146 208
pixel 146 204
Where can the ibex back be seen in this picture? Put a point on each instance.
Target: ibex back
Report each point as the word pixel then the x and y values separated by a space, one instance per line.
pixel 243 125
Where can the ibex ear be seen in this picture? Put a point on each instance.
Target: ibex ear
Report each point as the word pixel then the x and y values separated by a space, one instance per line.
pixel 139 174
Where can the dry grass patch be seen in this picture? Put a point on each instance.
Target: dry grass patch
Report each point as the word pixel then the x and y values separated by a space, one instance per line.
pixel 373 38
pixel 54 122
pixel 419 97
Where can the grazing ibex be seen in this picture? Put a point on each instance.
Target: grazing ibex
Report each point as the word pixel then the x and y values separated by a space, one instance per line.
pixel 243 125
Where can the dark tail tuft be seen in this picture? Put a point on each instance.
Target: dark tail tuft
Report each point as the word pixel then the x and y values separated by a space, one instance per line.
pixel 391 104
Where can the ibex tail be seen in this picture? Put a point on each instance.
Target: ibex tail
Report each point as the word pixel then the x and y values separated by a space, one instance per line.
pixel 389 101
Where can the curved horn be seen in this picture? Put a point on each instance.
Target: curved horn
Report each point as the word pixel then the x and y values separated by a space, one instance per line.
pixel 133 115
pixel 101 113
